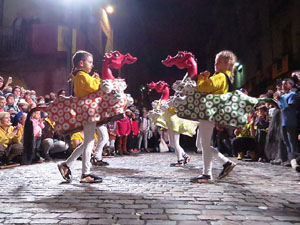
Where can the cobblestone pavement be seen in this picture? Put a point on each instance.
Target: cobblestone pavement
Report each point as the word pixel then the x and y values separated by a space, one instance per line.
pixel 143 189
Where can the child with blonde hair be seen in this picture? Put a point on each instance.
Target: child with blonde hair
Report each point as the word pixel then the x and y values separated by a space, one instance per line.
pixel 219 83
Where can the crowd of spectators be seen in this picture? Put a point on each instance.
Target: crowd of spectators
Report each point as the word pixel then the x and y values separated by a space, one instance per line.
pixel 125 137
pixel 272 133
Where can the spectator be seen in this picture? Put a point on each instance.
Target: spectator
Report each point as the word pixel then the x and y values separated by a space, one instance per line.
pixel 134 145
pixel 2 86
pixel 38 126
pixel 23 108
pixel 221 140
pixel 112 133
pixel 262 124
pixel 2 103
pixel 47 99
pixel 244 140
pixel 10 141
pixel 52 142
pixel 289 118
pixel 17 93
pixel 145 126
pixel 61 92
pixel 11 107
pixel 52 96
pixel 27 97
pixel 123 130
pixel 33 96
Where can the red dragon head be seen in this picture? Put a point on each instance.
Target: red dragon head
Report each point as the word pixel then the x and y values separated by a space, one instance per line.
pixel 183 60
pixel 159 86
pixel 115 60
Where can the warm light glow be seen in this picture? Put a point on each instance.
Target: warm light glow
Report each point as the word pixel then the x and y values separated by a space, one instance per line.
pixel 109 9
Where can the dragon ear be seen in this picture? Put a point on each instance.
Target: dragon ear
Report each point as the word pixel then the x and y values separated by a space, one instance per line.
pixel 190 54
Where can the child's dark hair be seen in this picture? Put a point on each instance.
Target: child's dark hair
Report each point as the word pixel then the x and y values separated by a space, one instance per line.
pixel 77 57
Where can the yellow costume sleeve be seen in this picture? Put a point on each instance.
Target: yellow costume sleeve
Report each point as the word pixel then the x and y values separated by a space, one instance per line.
pixel 216 84
pixel 85 84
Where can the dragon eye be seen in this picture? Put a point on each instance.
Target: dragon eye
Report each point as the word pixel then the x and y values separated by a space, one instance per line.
pixel 116 55
pixel 180 55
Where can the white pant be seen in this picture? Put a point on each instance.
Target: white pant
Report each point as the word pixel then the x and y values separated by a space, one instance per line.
pixel 85 148
pixel 205 132
pixel 174 138
pixel 50 146
pixel 143 137
pixel 198 142
pixel 103 138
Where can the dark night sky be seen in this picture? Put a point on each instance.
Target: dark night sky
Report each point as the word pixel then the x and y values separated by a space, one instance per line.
pixel 153 29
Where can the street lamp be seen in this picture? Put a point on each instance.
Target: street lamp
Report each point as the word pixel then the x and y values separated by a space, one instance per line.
pixel 109 9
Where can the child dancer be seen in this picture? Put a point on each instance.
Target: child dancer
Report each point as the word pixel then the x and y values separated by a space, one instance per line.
pixel 84 84
pixel 219 83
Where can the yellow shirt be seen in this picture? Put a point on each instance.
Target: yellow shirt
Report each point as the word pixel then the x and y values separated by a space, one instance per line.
pixel 216 84
pixel 78 136
pixel 85 84
pixel 6 138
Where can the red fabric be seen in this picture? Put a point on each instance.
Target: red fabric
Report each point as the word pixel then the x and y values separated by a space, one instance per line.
pixel 135 127
pixel 123 127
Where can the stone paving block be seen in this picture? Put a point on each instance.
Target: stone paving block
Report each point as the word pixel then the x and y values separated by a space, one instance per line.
pixel 46 215
pixel 288 218
pixel 224 222
pixel 216 212
pixel 120 211
pixel 182 217
pixel 210 217
pixel 255 223
pixel 17 221
pixel 74 221
pixel 247 213
pixel 110 205
pixel 160 222
pixel 136 206
pixel 182 211
pixel 150 211
pixel 130 222
pixel 45 221
pixel 20 215
pixel 154 217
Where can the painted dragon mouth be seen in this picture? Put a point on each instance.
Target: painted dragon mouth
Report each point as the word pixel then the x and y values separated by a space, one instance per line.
pixel 129 59
pixel 168 61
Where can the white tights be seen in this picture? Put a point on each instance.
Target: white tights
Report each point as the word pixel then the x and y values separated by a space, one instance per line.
pixel 205 132
pixel 174 138
pixel 103 138
pixel 85 148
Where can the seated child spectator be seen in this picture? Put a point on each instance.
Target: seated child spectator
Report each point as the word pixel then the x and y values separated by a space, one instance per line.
pixel 52 142
pixel 112 133
pixel 244 140
pixel 38 126
pixel 221 140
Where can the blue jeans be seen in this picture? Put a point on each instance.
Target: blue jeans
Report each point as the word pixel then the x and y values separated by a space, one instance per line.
pixel 289 137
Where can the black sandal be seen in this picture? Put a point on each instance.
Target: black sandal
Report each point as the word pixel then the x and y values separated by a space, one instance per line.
pixel 96 162
pixel 180 163
pixel 186 158
pixel 68 175
pixel 90 178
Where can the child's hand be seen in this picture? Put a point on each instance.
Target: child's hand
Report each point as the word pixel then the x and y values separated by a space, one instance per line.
pixel 96 75
pixel 205 73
